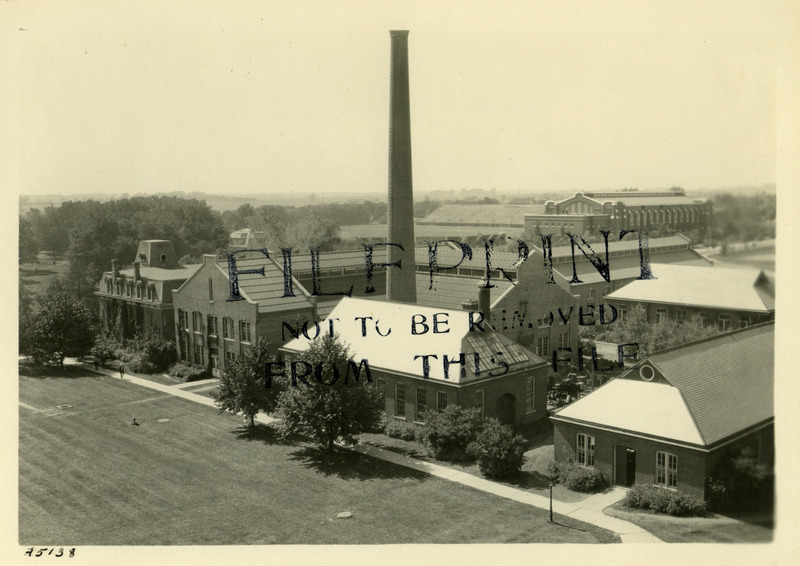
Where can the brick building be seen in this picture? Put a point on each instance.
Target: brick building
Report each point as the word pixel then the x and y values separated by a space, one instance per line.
pixel 515 393
pixel 211 330
pixel 670 420
pixel 725 297
pixel 588 212
pixel 138 299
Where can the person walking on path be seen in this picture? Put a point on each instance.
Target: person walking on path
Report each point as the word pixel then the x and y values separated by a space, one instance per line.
pixel 121 371
pixel 95 364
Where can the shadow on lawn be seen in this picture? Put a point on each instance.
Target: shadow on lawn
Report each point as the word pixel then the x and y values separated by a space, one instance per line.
pixel 529 480
pixel 350 465
pixel 44 372
pixel 262 433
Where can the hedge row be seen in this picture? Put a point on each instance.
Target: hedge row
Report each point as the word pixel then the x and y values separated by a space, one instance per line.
pixel 654 498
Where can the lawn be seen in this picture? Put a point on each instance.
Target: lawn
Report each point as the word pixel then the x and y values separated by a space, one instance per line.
pixel 716 528
pixel 188 475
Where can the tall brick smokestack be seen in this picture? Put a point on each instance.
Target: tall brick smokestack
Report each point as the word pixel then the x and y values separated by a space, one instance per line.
pixel 401 283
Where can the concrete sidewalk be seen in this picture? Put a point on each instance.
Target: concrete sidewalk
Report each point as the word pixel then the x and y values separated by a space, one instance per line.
pixel 589 510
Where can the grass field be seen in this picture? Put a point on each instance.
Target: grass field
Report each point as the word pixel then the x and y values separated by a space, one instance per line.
pixel 188 475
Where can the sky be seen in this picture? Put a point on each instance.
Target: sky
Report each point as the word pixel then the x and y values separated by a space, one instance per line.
pixel 124 97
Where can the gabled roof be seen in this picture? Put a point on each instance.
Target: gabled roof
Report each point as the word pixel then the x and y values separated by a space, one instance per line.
pixel 266 290
pixel 714 389
pixel 396 351
pixel 737 289
pixel 727 381
pixel 653 409
pixel 452 291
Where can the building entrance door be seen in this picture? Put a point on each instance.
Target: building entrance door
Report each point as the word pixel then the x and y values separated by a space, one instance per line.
pixel 624 465
pixel 215 366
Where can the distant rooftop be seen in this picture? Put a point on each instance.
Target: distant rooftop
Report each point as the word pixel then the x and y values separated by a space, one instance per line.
pixel 738 289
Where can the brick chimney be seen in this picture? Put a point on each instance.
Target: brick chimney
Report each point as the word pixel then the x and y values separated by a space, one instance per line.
pixel 115 268
pixel 136 272
pixel 484 301
pixel 401 283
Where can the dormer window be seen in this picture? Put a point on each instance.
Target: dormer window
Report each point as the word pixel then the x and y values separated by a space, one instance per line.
pixel 118 286
pixel 151 292
pixel 128 289
pixel 138 289
pixel 109 286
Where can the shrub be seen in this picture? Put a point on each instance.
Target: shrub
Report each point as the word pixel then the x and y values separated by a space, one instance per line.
pixel 403 430
pixel 105 348
pixel 187 372
pixel 586 480
pixel 154 351
pixel 498 451
pixel 448 433
pixel 663 500
pixel 740 481
pixel 138 363
pixel 578 478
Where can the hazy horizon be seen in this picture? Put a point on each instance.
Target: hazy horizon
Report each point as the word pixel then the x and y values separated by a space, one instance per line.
pixel 135 98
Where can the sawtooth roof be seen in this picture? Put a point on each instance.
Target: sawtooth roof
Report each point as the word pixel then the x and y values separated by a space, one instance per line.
pixel 482 214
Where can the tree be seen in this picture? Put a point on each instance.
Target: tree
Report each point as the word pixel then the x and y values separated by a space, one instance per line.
pixel 650 336
pixel 61 326
pixel 28 247
pixel 242 388
pixel 330 407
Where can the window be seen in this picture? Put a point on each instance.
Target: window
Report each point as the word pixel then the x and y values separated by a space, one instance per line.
pixel 479 402
pixel 183 320
pixel 702 318
pixel 666 469
pixel 150 292
pixel 230 358
pixel 128 289
pixel 380 383
pixel 421 404
pixel 591 296
pixel 542 346
pixel 680 315
pixel 138 289
pixel 400 399
pixel 210 290
pixel 212 325
pixel 744 322
pixel 108 286
pixel 244 331
pixel 585 450
pixel 724 322
pixel 227 328
pixel 184 350
pixel 623 311
pixel 199 355
pixel 530 394
pixel 441 401
pixel 197 321
pixel 563 341
pixel 661 315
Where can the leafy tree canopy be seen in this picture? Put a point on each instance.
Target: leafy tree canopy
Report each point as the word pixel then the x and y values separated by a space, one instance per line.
pixel 242 387
pixel 334 406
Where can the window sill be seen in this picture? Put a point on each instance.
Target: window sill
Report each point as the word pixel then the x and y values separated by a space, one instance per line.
pixel 399 418
pixel 658 485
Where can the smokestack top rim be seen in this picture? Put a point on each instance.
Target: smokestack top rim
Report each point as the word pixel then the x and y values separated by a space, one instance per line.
pixel 398 32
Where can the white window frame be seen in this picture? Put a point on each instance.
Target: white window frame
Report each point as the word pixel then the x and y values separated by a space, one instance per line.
pixel 400 400
pixel 530 394
pixel 419 408
pixel 228 327
pixel 245 334
pixel 666 474
pixel 584 450
pixel 213 325
pixel 479 402
pixel 724 322
pixel 661 315
pixel 441 400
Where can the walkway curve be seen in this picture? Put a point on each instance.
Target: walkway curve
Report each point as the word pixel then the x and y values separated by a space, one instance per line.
pixel 588 510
